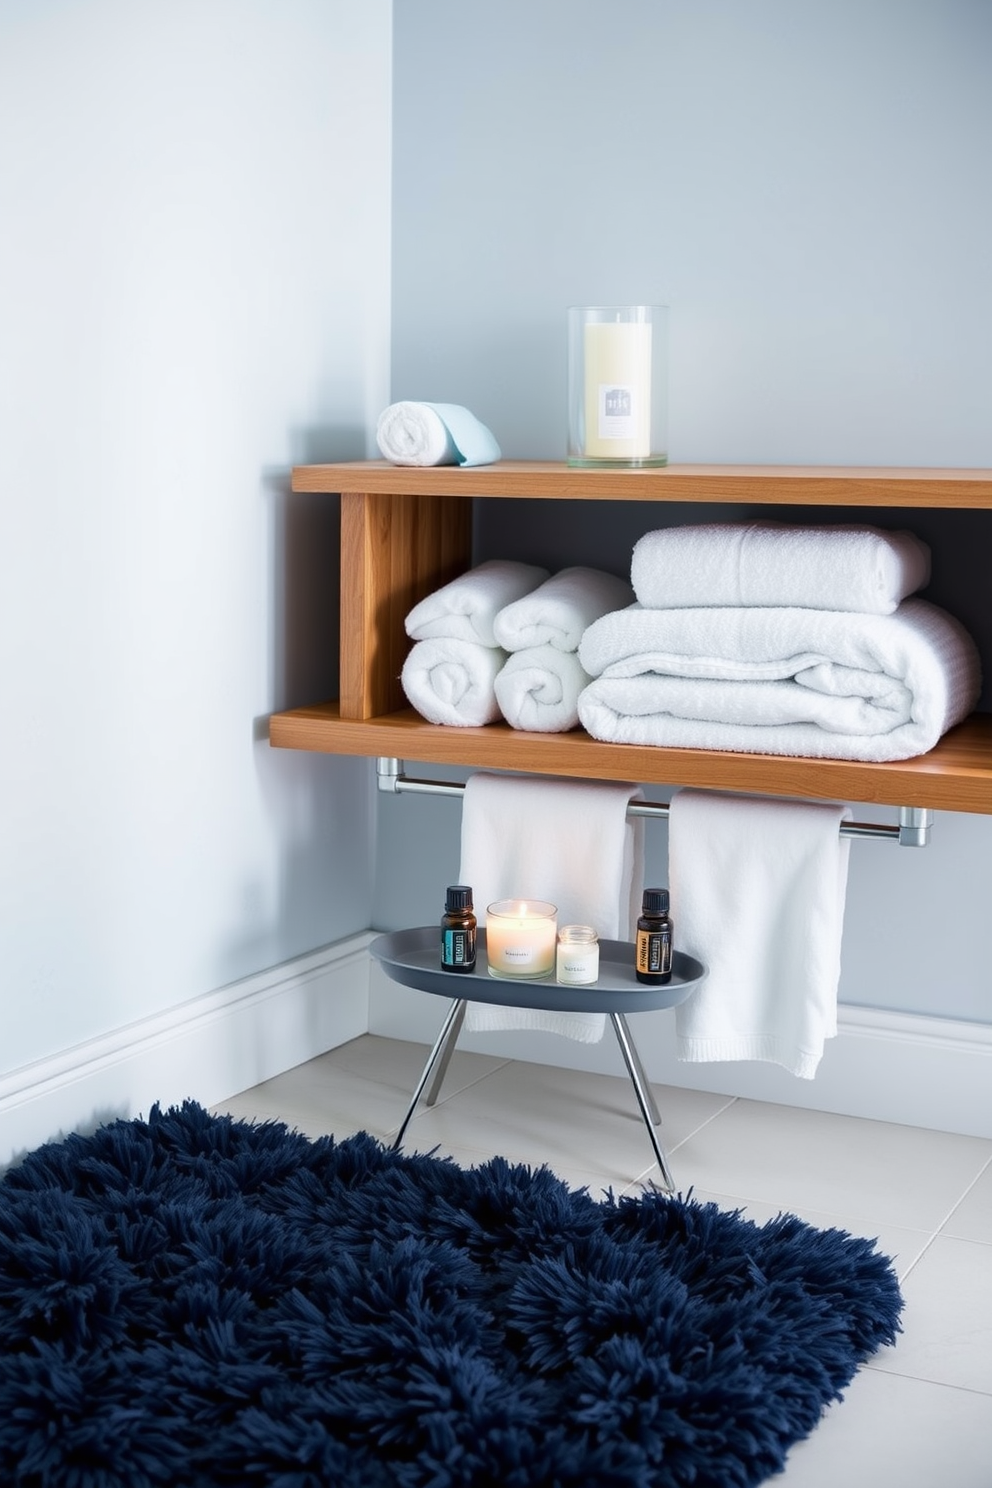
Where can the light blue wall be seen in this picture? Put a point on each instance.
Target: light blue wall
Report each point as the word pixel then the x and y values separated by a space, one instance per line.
pixel 807 187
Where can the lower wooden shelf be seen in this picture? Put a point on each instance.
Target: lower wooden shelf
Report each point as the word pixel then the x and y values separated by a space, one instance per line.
pixel 954 776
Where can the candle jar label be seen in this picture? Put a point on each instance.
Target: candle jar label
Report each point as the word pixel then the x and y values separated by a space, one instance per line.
pixel 618 416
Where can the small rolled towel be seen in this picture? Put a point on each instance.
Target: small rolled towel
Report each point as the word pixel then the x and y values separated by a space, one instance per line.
pixel 770 563
pixel 452 681
pixel 819 683
pixel 466 608
pixel 434 434
pixel 538 689
pixel 558 611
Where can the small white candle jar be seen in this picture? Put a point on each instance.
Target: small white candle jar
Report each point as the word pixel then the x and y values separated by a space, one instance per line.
pixel 618 385
pixel 577 960
pixel 520 938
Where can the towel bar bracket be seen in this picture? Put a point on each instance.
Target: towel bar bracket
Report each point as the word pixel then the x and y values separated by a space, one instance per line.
pixel 914 826
pixel 913 829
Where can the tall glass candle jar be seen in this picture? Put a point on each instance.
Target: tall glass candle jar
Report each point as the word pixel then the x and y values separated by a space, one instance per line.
pixel 577 959
pixel 520 938
pixel 618 385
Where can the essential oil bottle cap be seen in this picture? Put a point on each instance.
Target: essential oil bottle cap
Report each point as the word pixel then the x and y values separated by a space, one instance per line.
pixel 655 902
pixel 459 896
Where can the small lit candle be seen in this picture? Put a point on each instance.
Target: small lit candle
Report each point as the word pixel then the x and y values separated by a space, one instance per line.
pixel 521 936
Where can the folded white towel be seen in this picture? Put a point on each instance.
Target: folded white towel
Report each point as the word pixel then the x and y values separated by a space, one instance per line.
pixel 780 681
pixel 467 607
pixel 538 689
pixel 452 681
pixel 758 892
pixel 770 563
pixel 565 841
pixel 558 611
pixel 434 434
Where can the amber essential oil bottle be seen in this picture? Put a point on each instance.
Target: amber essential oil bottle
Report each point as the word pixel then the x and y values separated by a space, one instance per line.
pixel 653 963
pixel 458 926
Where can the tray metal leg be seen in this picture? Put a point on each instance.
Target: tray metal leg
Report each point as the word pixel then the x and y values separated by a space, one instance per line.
pixel 645 1082
pixel 644 1097
pixel 446 1052
pixel 455 1012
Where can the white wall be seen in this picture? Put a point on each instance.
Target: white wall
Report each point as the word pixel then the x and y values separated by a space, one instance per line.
pixel 806 186
pixel 194 294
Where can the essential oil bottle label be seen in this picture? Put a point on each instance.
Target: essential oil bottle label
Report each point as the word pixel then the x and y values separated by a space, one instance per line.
pixel 654 952
pixel 457 948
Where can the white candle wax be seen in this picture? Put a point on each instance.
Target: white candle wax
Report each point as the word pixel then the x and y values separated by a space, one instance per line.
pixel 521 935
pixel 617 359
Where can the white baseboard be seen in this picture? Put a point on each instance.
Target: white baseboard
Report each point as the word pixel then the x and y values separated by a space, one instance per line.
pixel 205 1050
pixel 900 1067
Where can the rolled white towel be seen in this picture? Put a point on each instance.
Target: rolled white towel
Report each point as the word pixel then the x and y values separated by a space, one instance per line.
pixel 466 608
pixel 821 683
pixel 409 433
pixel 538 689
pixel 770 563
pixel 452 681
pixel 558 611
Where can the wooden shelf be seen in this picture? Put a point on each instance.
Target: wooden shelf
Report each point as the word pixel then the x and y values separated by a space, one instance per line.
pixel 405 531
pixel 955 776
pixel 791 485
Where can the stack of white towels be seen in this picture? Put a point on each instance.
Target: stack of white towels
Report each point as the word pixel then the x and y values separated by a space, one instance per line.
pixel 502 641
pixel 764 638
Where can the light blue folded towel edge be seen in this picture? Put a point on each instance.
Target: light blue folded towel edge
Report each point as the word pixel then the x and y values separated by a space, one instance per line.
pixel 472 443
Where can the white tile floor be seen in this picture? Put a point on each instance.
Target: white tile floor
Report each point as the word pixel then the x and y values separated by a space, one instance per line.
pixel 920 1414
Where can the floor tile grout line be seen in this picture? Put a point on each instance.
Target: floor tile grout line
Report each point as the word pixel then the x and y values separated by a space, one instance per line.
pixel 477 1080
pixel 924 1379
pixel 939 1232
pixel 380 1085
pixel 656 1086
pixel 986 1166
pixel 502 1062
pixel 732 1100
pixel 622 1082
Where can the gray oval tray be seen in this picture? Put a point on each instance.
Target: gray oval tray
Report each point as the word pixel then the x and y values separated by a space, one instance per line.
pixel 412 957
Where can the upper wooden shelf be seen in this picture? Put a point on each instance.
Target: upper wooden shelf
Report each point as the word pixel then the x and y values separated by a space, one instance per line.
pixel 405 531
pixel 789 485
pixel 955 776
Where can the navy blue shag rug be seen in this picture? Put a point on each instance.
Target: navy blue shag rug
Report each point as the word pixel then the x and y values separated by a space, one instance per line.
pixel 193 1300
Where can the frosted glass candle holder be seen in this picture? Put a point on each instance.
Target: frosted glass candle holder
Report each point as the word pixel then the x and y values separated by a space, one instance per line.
pixel 521 937
pixel 618 385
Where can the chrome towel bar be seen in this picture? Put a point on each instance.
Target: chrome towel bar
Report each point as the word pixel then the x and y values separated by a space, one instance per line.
pixel 913 829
